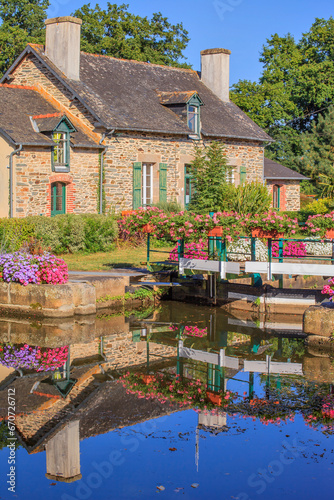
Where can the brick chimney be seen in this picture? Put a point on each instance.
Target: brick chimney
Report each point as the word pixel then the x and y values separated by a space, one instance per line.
pixel 62 44
pixel 215 71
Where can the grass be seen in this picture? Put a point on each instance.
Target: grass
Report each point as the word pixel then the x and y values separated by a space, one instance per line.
pixel 124 256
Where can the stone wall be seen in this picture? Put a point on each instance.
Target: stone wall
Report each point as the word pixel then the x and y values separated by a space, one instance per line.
pixel 33 177
pixel 289 193
pixel 127 148
pixel 123 151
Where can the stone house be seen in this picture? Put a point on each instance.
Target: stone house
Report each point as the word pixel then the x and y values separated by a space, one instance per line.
pixel 81 132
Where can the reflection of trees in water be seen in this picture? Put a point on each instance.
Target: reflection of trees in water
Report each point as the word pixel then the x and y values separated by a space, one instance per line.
pixel 4 437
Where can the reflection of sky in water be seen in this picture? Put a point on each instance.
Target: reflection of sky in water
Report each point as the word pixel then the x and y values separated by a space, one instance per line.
pixel 228 462
pixel 244 460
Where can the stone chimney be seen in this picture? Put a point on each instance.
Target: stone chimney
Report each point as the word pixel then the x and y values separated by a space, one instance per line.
pixel 62 44
pixel 215 71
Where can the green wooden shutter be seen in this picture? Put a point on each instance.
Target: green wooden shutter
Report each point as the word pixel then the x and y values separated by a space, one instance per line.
pixel 136 185
pixel 243 175
pixel 162 182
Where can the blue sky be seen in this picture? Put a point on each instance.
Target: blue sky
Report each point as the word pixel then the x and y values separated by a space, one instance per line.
pixel 239 25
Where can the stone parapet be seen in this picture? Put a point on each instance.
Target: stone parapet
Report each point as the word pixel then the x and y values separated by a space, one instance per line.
pixel 53 301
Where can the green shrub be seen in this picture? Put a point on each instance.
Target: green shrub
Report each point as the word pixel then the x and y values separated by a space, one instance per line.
pixel 249 198
pixel 100 231
pixel 46 230
pixel 60 234
pixel 14 232
pixel 169 207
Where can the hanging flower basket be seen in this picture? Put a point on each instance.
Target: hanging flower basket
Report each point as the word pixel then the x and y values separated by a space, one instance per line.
pixel 329 234
pixel 216 231
pixel 147 379
pixel 260 233
pixel 214 397
pixel 147 228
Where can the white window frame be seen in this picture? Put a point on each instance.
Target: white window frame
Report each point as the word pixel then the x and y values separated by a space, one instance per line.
pixel 146 168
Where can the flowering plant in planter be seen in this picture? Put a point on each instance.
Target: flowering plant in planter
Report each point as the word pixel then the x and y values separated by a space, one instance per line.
pixel 192 250
pixel 272 222
pixel 319 224
pixel 163 388
pixel 25 268
pixel 33 357
pixel 290 249
pixel 328 289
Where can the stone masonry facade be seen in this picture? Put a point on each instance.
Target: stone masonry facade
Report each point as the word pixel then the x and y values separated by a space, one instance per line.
pixel 289 194
pixel 33 177
pixel 33 168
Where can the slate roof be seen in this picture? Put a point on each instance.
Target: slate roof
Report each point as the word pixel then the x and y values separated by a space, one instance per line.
pixel 175 97
pixel 273 170
pixel 20 109
pixel 122 94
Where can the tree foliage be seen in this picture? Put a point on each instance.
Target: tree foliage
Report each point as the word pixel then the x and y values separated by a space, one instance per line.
pixel 22 22
pixel 318 152
pixel 113 31
pixel 117 32
pixel 295 89
pixel 209 171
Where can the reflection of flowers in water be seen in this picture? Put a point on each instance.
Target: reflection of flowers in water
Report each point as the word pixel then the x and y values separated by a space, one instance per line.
pixel 174 390
pixel 191 331
pixel 33 357
pixel 322 415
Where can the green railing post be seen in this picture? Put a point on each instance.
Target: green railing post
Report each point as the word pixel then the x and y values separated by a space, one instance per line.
pixel 219 247
pixel 223 250
pixel 180 249
pixel 253 249
pixel 251 385
pixel 148 247
pixel 211 247
pixel 280 259
pixel 270 254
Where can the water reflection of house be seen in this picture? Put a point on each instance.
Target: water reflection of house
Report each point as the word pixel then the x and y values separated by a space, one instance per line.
pixel 49 404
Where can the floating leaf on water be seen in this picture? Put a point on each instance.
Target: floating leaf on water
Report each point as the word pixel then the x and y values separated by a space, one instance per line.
pixel 172 449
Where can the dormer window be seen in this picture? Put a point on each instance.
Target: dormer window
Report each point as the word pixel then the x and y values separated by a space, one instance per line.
pixel 186 104
pixel 60 155
pixel 193 118
pixel 57 127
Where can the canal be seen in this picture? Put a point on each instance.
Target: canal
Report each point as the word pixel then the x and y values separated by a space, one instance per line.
pixel 178 401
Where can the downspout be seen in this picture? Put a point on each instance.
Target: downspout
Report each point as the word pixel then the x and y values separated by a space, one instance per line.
pixel 101 167
pixel 13 153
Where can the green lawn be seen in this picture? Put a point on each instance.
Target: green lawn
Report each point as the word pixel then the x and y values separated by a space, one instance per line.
pixel 122 257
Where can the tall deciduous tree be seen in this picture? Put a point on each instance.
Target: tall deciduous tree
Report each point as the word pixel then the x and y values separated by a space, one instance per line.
pixel 117 32
pixel 113 31
pixel 295 88
pixel 22 22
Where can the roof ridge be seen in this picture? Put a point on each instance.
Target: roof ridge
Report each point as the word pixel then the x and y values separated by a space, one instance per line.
pixel 49 115
pixel 188 70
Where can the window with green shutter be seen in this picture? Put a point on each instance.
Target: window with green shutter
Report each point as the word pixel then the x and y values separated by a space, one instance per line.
pixel 136 185
pixel 243 175
pixel 162 182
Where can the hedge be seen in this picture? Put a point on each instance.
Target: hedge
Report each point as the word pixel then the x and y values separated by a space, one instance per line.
pixel 60 234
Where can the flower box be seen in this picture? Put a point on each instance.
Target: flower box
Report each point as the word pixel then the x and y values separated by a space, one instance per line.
pixel 261 233
pixel 214 397
pixel 216 231
pixel 125 213
pixel 147 229
pixel 329 234
pixel 147 379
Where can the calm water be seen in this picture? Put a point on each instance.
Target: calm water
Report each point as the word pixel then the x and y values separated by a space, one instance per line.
pixel 181 401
